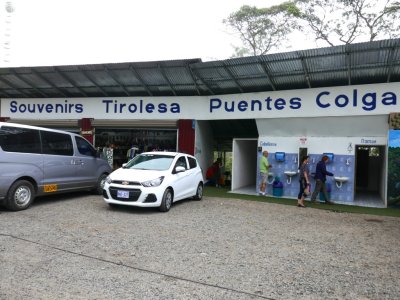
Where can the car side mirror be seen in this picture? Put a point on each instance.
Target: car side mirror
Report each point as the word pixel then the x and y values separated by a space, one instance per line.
pixel 179 169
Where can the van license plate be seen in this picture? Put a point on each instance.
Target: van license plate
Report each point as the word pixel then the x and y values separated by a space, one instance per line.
pixel 123 194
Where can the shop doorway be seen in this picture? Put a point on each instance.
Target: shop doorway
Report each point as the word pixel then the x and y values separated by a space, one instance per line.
pixel 122 140
pixel 369 175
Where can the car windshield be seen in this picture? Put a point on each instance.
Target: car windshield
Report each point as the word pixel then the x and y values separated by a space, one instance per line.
pixel 158 162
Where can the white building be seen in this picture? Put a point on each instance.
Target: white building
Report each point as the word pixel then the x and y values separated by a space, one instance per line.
pixel 336 101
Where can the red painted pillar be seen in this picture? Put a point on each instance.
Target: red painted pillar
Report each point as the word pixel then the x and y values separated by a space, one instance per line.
pixel 87 130
pixel 186 136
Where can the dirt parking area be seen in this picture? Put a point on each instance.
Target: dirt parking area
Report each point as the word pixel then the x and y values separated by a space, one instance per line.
pixel 76 247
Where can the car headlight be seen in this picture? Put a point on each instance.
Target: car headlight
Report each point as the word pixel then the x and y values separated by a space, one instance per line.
pixel 153 182
pixel 108 179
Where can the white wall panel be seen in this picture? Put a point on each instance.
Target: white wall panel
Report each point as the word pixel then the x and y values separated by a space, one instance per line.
pixel 376 125
pixel 203 149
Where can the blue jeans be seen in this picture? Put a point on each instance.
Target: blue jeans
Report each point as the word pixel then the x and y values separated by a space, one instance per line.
pixel 303 186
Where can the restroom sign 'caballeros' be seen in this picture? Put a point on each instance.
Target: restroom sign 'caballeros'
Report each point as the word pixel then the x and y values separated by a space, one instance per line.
pixel 267 144
pixel 303 140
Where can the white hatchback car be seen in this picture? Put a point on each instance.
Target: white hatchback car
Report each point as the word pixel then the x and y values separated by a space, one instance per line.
pixel 155 179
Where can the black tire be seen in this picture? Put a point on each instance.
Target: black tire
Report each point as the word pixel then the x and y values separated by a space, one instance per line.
pixel 100 184
pixel 199 192
pixel 166 201
pixel 20 195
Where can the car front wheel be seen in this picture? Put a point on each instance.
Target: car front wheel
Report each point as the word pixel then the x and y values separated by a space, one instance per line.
pixel 166 201
pixel 21 195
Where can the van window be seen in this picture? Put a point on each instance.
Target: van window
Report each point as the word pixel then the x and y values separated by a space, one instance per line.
pixel 22 140
pixel 84 147
pixel 57 143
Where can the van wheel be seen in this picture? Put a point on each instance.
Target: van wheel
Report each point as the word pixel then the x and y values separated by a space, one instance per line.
pixel 199 192
pixel 20 195
pixel 100 184
pixel 166 201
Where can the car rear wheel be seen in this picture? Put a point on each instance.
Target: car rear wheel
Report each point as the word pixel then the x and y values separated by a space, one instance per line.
pixel 199 192
pixel 166 201
pixel 20 195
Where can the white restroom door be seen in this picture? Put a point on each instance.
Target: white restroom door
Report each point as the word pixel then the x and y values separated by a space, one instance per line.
pixel 244 163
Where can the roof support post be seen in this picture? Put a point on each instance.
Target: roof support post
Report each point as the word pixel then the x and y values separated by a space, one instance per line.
pixel 265 68
pixel 306 73
pixel 48 82
pixel 348 62
pixel 390 64
pixel 133 70
pixel 166 79
pixel 232 77
pixel 195 73
pixel 94 83
pixel 117 81
pixel 193 78
pixel 65 77
pixel 28 83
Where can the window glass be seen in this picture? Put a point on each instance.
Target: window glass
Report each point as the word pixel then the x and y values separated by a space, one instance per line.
pixel 150 162
pixel 84 147
pixel 192 162
pixel 57 143
pixel 181 162
pixel 23 140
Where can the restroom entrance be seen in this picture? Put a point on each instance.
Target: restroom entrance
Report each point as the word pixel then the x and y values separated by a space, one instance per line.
pixel 369 175
pixel 303 152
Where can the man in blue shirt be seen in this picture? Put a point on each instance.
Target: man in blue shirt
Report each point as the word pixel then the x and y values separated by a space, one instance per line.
pixel 320 179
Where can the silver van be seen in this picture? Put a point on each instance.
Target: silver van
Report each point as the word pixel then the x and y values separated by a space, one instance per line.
pixel 37 161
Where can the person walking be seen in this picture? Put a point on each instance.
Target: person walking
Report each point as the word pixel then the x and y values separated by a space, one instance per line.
pixel 108 154
pixel 264 169
pixel 304 173
pixel 217 171
pixel 320 179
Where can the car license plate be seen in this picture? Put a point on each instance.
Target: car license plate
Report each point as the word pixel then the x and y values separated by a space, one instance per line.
pixel 123 194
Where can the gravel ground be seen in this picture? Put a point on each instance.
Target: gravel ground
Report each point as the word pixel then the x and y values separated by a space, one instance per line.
pixel 76 247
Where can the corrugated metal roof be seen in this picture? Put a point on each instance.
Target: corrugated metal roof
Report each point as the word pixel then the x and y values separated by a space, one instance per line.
pixel 363 63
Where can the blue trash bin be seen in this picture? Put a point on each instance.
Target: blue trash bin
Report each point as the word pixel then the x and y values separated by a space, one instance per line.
pixel 277 187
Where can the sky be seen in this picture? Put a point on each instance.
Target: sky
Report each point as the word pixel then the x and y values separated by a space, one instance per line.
pixel 67 32
pixel 394 138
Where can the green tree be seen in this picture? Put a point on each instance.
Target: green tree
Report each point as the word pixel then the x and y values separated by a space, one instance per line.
pixel 347 21
pixel 334 22
pixel 393 191
pixel 262 29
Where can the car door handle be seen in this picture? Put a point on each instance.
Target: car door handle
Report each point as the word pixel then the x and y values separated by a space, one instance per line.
pixel 77 162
